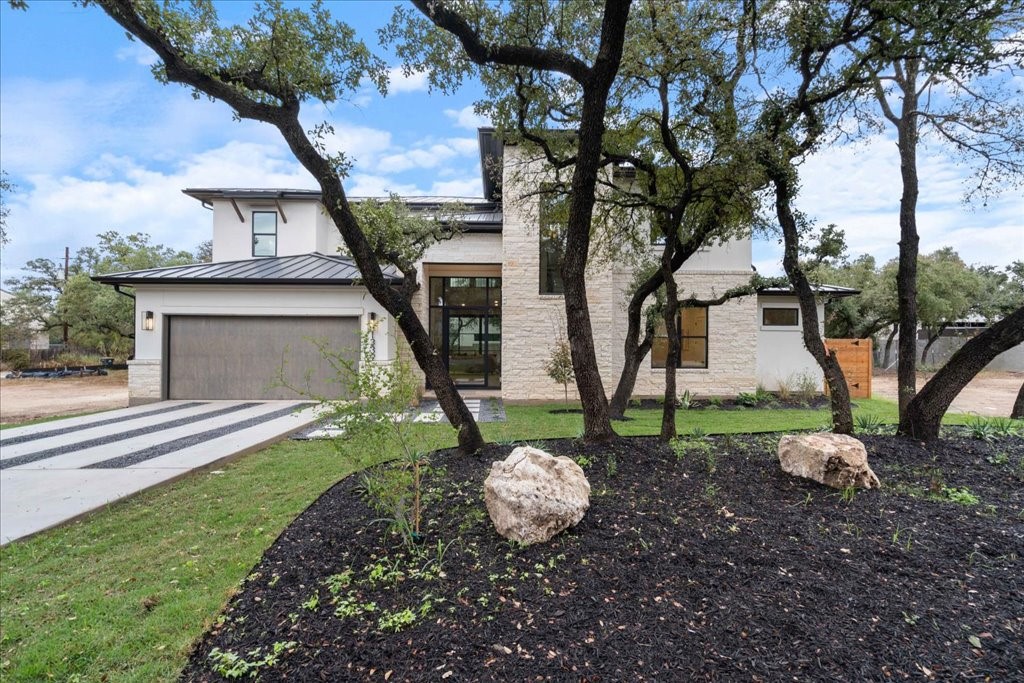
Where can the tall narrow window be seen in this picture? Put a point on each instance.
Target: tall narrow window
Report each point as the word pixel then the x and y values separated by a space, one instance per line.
pixel 692 324
pixel 554 210
pixel 264 233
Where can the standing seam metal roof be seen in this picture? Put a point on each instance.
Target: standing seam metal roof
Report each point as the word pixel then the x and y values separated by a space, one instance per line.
pixel 312 268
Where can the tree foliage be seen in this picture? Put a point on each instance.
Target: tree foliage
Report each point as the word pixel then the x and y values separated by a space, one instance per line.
pixel 98 317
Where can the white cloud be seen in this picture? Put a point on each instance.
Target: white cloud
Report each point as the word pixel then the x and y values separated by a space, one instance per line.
pixel 858 187
pixel 49 212
pixel 467 118
pixel 399 82
pixel 137 52
pixel 461 187
pixel 428 157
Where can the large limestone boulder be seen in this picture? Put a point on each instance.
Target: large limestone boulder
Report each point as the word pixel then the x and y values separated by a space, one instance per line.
pixel 531 495
pixel 835 460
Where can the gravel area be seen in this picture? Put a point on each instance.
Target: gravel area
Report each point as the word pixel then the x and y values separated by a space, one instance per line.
pixel 185 442
pixel 100 423
pixel 73 446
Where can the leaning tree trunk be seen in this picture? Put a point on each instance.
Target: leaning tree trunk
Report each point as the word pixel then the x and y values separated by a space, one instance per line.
pixel 888 347
pixel 630 369
pixel 932 338
pixel 1017 413
pixel 906 274
pixel 842 415
pixel 634 348
pixel 924 413
pixel 668 413
pixel 597 426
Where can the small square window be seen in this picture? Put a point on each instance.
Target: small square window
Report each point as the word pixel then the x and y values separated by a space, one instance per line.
pixel 780 317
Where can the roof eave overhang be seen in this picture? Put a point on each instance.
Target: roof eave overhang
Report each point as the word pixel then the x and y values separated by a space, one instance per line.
pixel 821 293
pixel 132 282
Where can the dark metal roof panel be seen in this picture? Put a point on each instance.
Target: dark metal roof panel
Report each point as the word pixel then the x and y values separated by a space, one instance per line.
pixel 312 268
pixel 827 290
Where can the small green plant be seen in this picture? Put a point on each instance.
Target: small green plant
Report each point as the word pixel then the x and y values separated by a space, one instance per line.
pixel 869 424
pixel 230 665
pixel 848 494
pixel 999 458
pixel 960 496
pixel 902 538
pixel 911 619
pixel 559 365
pixel 685 401
pixel 582 461
pixel 715 402
pixel 1007 428
pixel 747 399
pixel 611 465
pixel 806 387
pixel 763 396
pixel 338 582
pixel 350 606
pixel 981 429
pixel 396 621
pixel 312 603
pixel 382 414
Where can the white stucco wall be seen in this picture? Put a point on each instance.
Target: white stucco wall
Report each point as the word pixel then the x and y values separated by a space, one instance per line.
pixel 781 355
pixel 303 233
pixel 145 372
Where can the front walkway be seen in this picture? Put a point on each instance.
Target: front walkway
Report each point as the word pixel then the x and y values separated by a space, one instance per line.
pixel 489 409
pixel 54 472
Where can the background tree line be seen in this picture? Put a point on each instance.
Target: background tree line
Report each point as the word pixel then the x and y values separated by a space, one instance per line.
pixel 98 319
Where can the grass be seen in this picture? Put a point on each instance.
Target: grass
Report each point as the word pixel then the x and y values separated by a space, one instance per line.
pixel 121 595
pixel 48 418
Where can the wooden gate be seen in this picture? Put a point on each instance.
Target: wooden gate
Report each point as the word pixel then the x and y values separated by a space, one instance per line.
pixel 855 359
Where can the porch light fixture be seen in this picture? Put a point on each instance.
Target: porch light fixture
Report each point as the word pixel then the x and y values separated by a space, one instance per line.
pixel 147 321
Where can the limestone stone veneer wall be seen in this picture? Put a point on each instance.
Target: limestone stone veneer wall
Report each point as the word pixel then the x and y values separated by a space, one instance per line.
pixel 144 381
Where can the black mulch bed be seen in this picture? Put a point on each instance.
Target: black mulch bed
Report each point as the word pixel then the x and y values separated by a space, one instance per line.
pixel 676 573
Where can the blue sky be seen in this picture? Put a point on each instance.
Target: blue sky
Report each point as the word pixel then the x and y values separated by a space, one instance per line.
pixel 93 143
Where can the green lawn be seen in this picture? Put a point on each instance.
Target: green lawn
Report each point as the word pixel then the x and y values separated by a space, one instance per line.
pixel 121 595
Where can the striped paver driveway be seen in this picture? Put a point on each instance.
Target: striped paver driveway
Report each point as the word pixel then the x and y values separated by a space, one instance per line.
pixel 53 472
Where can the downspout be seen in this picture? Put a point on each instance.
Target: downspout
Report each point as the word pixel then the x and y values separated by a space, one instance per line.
pixel 117 288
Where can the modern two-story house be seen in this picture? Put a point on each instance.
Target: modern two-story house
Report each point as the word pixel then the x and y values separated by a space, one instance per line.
pixel 279 286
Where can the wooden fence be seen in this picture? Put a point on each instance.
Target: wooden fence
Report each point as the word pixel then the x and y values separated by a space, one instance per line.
pixel 855 359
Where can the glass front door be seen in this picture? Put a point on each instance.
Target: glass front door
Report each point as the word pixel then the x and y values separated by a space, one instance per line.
pixel 465 324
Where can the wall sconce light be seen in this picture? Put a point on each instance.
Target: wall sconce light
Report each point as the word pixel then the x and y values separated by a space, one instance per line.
pixel 373 316
pixel 147 321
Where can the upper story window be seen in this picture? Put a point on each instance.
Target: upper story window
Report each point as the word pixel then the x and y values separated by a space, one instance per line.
pixel 264 233
pixel 692 325
pixel 554 214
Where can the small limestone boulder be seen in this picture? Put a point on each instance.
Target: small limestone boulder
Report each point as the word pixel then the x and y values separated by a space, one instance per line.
pixel 531 495
pixel 835 460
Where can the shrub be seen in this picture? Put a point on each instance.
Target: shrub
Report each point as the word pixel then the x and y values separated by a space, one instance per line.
pixel 15 359
pixel 559 366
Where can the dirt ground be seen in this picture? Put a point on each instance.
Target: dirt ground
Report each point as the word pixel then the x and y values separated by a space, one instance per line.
pixel 28 399
pixel 990 393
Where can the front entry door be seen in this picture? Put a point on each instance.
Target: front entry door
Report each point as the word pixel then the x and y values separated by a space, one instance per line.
pixel 465 324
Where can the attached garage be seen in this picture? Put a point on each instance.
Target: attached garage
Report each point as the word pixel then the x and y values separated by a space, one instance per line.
pixel 258 357
pixel 231 330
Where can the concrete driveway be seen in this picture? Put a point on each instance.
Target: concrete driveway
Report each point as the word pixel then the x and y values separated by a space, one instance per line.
pixel 54 472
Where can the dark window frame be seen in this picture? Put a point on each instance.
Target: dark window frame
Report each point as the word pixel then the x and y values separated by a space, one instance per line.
pixel 682 337
pixel 765 309
pixel 552 285
pixel 255 233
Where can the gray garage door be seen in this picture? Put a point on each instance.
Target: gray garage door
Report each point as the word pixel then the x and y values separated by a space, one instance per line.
pixel 243 357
